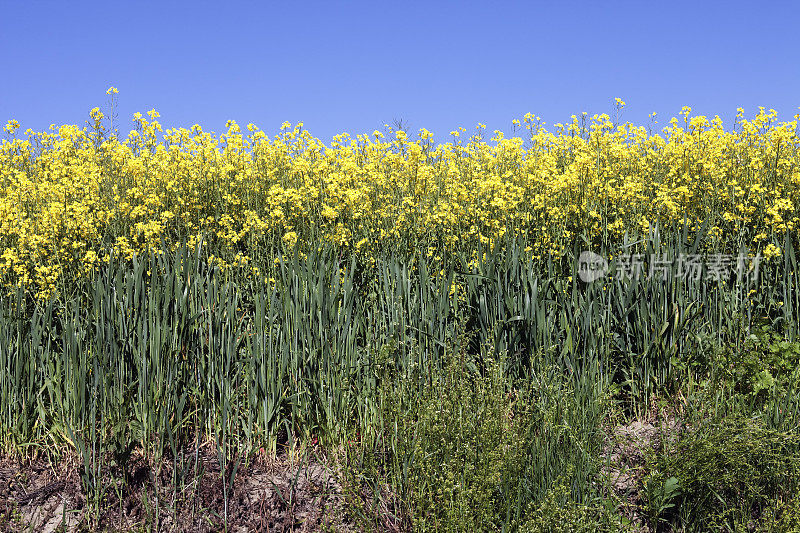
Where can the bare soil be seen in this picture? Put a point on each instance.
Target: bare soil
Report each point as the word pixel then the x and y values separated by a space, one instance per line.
pixel 270 495
pixel 625 454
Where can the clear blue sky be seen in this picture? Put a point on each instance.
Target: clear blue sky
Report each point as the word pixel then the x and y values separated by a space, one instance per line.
pixel 352 66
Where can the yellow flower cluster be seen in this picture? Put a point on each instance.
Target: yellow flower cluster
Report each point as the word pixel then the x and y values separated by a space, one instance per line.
pixel 70 195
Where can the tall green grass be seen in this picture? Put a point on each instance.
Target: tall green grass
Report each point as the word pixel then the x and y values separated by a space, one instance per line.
pixel 166 343
pixel 163 353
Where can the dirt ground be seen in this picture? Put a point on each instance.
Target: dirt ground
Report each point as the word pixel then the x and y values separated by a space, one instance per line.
pixel 269 495
pixel 625 454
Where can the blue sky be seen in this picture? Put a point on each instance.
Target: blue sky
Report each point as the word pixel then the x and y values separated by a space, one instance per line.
pixel 353 66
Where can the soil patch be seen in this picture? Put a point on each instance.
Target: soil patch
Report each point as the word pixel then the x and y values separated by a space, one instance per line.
pixel 625 454
pixel 274 495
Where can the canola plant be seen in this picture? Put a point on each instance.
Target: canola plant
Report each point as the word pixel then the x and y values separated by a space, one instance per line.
pixel 71 196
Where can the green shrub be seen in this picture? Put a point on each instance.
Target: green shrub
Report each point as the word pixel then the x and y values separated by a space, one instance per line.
pixel 448 453
pixel 472 451
pixel 558 512
pixel 765 366
pixel 722 475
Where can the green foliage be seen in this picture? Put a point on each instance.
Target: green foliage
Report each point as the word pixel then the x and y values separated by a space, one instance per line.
pixel 450 451
pixel 722 475
pixel 557 512
pixel 769 363
pixel 467 386
pixel 781 517
pixel 471 451
pixel 464 450
pixel 661 496
pixel 765 365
